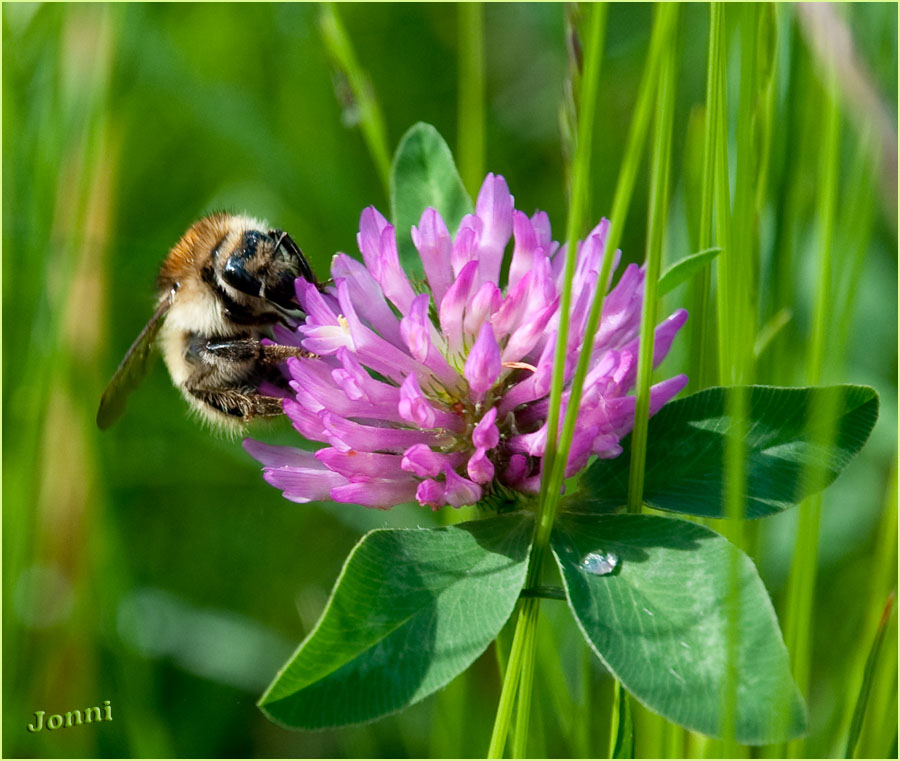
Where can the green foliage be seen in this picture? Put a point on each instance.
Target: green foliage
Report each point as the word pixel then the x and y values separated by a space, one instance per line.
pixel 684 269
pixel 424 174
pixel 411 610
pixel 865 689
pixel 393 632
pixel 658 622
pixel 686 449
pixel 120 129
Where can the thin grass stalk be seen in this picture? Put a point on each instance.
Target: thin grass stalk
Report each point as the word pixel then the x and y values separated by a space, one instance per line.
pixel 471 95
pixel 660 38
pixel 702 356
pixel 503 718
pixel 551 673
pixel 789 146
pixel 663 24
pixel 548 500
pixel 581 742
pixel 735 491
pixel 724 264
pixel 568 109
pixel 673 740
pixel 615 719
pixel 575 223
pixel 526 681
pixel 859 219
pixel 802 580
pixel 371 120
pixel 637 135
pixel 522 653
pixel 662 28
pixel 84 166
pixel 741 325
pixel 878 737
pixel 767 68
pixel 744 233
pixel 622 732
pixel 659 203
pixel 883 573
pixel 859 711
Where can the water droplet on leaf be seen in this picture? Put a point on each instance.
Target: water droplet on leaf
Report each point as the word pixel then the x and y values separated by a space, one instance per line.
pixel 600 563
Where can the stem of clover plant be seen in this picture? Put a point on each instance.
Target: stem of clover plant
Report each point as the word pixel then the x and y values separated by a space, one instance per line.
pixel 520 670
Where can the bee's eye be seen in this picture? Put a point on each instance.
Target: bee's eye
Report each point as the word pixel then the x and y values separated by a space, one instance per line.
pixel 250 242
pixel 236 275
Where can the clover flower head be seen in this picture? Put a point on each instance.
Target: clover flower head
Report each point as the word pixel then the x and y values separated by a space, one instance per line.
pixel 439 391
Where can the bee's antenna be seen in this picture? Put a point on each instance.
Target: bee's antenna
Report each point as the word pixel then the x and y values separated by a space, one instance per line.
pixel 280 239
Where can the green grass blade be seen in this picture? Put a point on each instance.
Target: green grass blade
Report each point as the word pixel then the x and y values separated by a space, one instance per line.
pixel 503 718
pixel 526 681
pixel 686 268
pixel 549 496
pixel 371 120
pixel 622 737
pixel 659 203
pixel 702 351
pixel 801 585
pixel 858 221
pixel 471 95
pixel 769 332
pixel 662 29
pixel 724 276
pixel 574 225
pixel 868 677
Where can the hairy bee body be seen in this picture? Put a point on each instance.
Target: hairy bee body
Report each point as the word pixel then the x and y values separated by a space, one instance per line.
pixel 223 287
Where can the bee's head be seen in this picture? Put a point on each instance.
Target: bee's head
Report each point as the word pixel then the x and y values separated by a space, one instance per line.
pixel 265 265
pixel 242 257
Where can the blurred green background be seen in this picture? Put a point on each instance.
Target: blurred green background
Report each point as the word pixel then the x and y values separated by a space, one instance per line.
pixel 151 565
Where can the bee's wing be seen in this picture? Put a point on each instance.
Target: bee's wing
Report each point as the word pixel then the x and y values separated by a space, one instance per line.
pixel 132 368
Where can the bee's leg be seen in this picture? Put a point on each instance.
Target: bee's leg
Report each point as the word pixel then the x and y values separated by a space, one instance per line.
pixel 240 404
pixel 243 350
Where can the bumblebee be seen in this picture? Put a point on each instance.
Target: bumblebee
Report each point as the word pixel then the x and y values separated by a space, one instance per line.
pixel 222 288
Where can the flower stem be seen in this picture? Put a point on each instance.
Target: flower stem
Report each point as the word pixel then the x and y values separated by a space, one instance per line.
pixel 659 202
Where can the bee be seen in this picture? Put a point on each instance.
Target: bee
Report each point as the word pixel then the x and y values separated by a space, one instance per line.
pixel 222 288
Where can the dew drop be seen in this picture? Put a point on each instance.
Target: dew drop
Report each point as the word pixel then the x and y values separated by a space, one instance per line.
pixel 600 563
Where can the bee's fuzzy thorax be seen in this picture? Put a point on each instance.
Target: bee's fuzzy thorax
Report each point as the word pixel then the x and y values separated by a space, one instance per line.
pixel 223 286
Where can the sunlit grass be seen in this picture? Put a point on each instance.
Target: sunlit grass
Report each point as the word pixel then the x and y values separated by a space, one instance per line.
pixel 113 154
